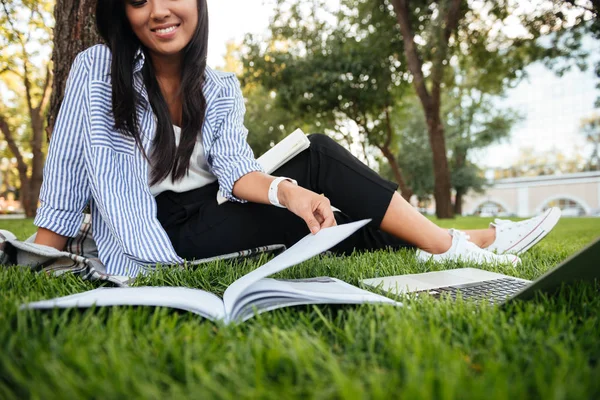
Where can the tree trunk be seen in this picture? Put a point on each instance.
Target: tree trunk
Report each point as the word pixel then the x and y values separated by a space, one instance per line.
pixel 458 201
pixel 405 190
pixel 74 32
pixel 431 98
pixel 37 163
pixel 441 170
pixel 27 202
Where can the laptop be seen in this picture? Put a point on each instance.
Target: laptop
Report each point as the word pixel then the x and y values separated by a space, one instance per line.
pixel 478 284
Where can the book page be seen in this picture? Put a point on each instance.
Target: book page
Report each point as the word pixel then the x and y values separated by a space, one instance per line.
pixel 197 301
pixel 306 248
pixel 269 294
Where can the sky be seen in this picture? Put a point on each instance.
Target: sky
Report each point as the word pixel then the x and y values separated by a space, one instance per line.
pixel 553 106
pixel 231 20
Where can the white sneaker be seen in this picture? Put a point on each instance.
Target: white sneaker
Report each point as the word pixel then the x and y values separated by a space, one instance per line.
pixel 518 237
pixel 462 250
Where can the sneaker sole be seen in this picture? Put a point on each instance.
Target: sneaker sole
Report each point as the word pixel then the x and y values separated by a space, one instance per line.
pixel 536 234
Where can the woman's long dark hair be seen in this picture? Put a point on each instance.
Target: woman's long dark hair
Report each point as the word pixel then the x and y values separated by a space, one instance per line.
pixel 166 158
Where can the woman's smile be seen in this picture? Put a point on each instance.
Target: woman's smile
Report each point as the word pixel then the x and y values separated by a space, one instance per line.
pixel 164 27
pixel 166 31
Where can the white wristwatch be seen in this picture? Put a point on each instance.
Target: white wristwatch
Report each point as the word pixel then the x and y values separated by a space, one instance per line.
pixel 273 190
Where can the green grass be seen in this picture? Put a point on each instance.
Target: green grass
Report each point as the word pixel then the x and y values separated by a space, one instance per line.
pixel 547 349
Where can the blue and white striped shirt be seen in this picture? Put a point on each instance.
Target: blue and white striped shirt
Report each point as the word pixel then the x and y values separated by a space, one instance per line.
pixel 88 160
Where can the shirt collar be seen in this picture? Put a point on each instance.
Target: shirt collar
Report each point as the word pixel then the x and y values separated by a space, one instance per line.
pixel 138 60
pixel 212 77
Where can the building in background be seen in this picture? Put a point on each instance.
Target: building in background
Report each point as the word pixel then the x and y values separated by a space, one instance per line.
pixel 577 194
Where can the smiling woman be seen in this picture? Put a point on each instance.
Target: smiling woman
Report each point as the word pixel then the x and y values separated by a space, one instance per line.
pixel 150 135
pixel 164 27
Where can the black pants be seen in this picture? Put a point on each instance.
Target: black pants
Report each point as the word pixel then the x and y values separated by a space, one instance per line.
pixel 199 228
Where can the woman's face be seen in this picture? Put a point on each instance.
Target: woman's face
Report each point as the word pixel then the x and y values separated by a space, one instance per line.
pixel 165 27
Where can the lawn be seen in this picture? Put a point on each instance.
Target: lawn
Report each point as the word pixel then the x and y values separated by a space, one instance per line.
pixel 549 348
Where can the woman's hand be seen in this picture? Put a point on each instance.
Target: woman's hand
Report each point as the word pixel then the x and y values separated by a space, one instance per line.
pixel 314 209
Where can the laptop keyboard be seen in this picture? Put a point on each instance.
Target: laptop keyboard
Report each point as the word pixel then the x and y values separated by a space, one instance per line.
pixel 495 291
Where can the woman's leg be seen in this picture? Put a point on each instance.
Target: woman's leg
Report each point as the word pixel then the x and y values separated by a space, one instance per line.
pixel 482 237
pixel 429 236
pixel 404 221
pixel 400 219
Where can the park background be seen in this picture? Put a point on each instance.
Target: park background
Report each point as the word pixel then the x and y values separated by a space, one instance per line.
pixel 509 111
pixel 503 90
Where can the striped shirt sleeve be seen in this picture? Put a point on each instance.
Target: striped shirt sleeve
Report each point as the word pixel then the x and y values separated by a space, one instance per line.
pixel 65 190
pixel 231 155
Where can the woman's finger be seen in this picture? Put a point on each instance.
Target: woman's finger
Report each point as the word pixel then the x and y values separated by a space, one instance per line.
pixel 320 218
pixel 311 221
pixel 326 215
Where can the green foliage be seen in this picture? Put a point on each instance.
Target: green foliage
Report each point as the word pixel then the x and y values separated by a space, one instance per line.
pixel 470 124
pixel 590 129
pixel 349 64
pixel 25 81
pixel 25 37
pixel 326 71
pixel 548 348
pixel 266 120
pixel 415 158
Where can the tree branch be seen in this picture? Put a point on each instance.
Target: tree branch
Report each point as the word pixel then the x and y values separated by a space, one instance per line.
pixel 451 20
pixel 437 70
pixel 415 64
pixel 12 145
pixel 27 85
pixel 28 35
pixel 595 6
pixel 46 91
pixel 389 132
pixel 10 22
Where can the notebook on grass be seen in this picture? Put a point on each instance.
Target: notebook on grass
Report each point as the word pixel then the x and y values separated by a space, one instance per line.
pixel 251 293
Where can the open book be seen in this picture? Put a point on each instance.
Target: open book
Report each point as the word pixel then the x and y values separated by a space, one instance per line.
pixel 252 293
pixel 279 154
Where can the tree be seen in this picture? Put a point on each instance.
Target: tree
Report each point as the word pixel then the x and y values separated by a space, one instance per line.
pixel 266 121
pixel 332 72
pixel 594 29
pixel 446 22
pixel 74 32
pixel 473 122
pixel 434 31
pixel 532 163
pixel 590 129
pixel 27 26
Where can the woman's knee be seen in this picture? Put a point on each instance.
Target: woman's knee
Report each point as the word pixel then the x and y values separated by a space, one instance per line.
pixel 322 140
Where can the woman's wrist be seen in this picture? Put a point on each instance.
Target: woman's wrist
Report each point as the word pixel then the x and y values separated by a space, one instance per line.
pixel 284 192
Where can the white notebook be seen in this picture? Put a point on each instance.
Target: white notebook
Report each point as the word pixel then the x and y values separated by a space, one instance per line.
pixel 279 154
pixel 252 293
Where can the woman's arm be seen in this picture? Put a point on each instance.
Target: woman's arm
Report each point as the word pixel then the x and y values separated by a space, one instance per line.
pixel 49 238
pixel 65 190
pixel 240 176
pixel 314 209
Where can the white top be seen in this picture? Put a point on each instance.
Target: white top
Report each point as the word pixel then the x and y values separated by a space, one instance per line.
pixel 198 175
